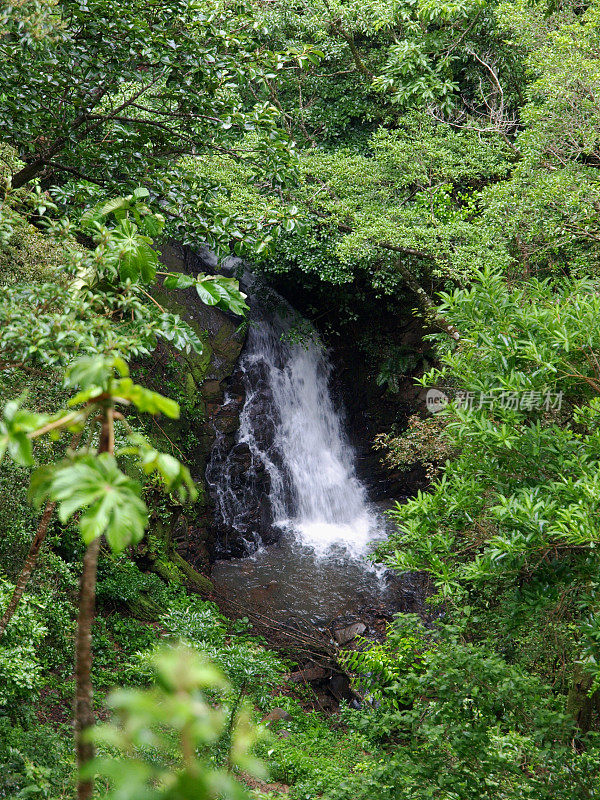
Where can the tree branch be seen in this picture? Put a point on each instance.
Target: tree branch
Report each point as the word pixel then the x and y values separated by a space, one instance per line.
pixel 425 301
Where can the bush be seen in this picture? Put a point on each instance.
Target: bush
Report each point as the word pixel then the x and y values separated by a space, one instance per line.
pixel 457 721
pixel 244 660
pixel 35 763
pixel 20 667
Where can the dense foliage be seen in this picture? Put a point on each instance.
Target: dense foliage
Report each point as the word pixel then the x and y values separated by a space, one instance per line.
pixel 370 158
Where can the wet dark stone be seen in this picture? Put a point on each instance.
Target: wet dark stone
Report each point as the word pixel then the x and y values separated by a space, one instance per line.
pixel 227 420
pixel 241 456
pixel 339 686
pixel 350 632
pixel 309 674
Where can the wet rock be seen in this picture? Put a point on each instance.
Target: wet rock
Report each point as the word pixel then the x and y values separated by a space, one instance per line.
pixel 339 686
pixel 309 674
pixel 350 632
pixel 268 532
pixel 232 266
pixel 227 421
pixel 276 715
pixel 207 257
pixel 235 385
pixel 211 391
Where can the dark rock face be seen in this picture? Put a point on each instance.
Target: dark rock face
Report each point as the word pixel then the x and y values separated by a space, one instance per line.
pixel 217 386
pixel 234 470
pixel 372 409
pixel 199 382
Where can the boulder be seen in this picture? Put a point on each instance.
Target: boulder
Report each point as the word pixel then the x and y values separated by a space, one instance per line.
pixel 309 674
pixel 348 633
pixel 276 715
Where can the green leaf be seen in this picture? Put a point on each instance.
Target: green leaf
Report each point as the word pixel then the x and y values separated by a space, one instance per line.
pixel 179 281
pixel 144 399
pixel 86 396
pixel 109 502
pixel 15 424
pixel 94 371
pixel 174 475
pixel 208 293
pixel 175 330
pixel 97 213
pixel 216 290
pixel 132 252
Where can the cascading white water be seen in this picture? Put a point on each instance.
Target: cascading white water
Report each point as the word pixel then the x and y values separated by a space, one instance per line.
pixel 329 505
pixel 292 430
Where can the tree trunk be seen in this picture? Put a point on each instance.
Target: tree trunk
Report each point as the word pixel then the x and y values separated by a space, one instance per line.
pixel 23 579
pixel 84 708
pixel 27 174
pixel 200 582
pixel 84 711
pixel 579 703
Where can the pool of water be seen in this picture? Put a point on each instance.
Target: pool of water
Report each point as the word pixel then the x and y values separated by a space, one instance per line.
pixel 291 580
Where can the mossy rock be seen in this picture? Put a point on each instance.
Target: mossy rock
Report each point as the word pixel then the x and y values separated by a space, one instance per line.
pixel 30 255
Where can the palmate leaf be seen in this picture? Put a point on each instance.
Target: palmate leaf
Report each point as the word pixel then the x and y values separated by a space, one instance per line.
pixel 213 290
pixel 119 206
pixel 108 501
pixel 115 205
pixel 136 258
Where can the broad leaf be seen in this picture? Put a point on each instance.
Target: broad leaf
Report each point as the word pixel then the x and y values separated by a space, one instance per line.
pixel 222 292
pixel 15 424
pixel 108 501
pixel 94 371
pixel 213 290
pixel 179 333
pixel 179 281
pixel 136 258
pixel 208 293
pixel 145 400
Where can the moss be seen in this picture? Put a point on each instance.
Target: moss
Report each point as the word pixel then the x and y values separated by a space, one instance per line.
pixel 145 608
pixel 167 571
pixel 30 255
pixel 196 580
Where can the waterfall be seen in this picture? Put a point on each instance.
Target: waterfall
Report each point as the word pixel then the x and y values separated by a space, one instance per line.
pixel 291 468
